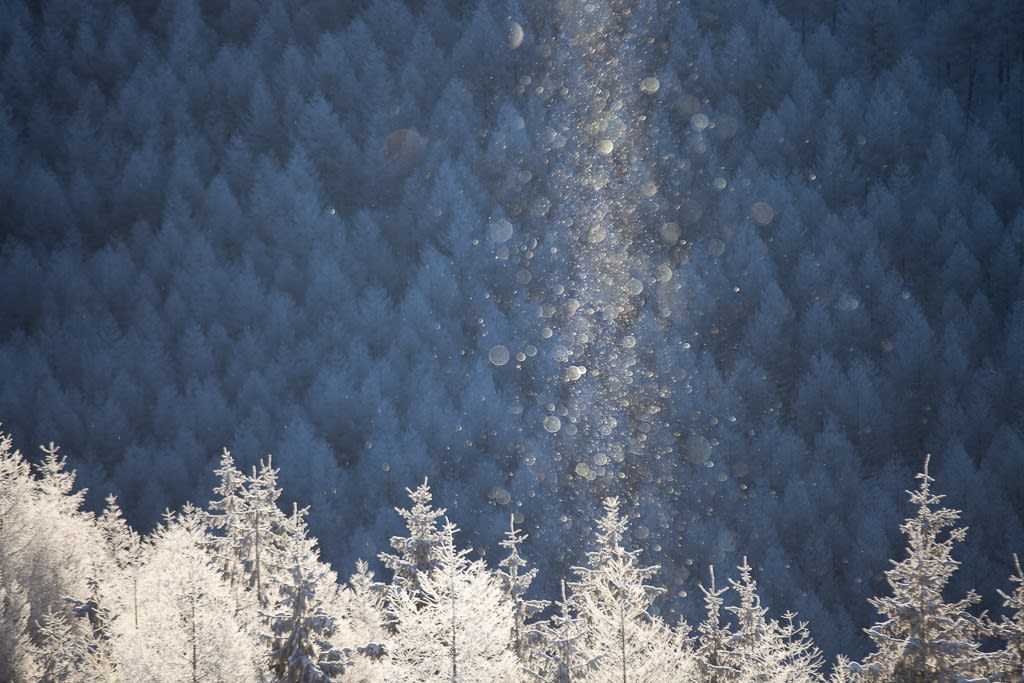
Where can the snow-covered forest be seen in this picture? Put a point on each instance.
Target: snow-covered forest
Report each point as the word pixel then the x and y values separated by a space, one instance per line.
pixel 740 265
pixel 238 592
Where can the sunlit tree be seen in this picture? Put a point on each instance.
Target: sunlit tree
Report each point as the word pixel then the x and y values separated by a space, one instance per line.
pixel 613 598
pixel 456 627
pixel 921 636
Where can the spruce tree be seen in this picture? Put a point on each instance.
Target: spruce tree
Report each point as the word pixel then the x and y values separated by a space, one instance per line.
pixel 922 637
pixel 515 582
pixel 417 553
pixel 614 600
pixel 457 627
pixel 1011 628
pixel 301 627
pixel 764 649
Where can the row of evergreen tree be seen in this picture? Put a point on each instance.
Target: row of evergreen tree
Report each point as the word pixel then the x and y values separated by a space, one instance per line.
pixel 238 592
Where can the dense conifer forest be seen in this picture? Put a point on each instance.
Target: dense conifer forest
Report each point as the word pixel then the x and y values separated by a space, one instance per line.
pixel 671 283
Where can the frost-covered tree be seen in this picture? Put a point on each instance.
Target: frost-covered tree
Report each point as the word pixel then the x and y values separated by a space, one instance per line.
pixel 257 536
pixel 186 630
pixel 16 662
pixel 226 519
pixel 48 545
pixel 123 542
pixel 713 637
pixel 1011 628
pixel 61 650
pixel 561 655
pixel 921 636
pixel 301 627
pixel 765 649
pixel 115 592
pixel 458 625
pixel 362 626
pixel 515 581
pixel 614 601
pixel 419 552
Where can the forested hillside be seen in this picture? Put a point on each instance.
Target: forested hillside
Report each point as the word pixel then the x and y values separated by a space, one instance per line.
pixel 740 265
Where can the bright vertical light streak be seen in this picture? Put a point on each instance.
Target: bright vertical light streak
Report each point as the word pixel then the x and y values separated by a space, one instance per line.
pixel 609 205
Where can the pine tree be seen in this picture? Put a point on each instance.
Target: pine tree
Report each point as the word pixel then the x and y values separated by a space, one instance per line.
pixel 921 636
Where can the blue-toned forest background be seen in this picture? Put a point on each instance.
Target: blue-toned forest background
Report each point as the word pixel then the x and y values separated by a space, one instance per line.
pixel 383 240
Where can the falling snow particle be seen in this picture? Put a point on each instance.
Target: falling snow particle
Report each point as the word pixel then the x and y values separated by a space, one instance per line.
pixel 515 35
pixel 699 121
pixel 500 496
pixel 498 355
pixel 716 246
pixel 670 232
pixel 650 85
pixel 500 230
pixel 698 449
pixel 605 146
pixel 552 424
pixel 575 372
pixel 762 213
